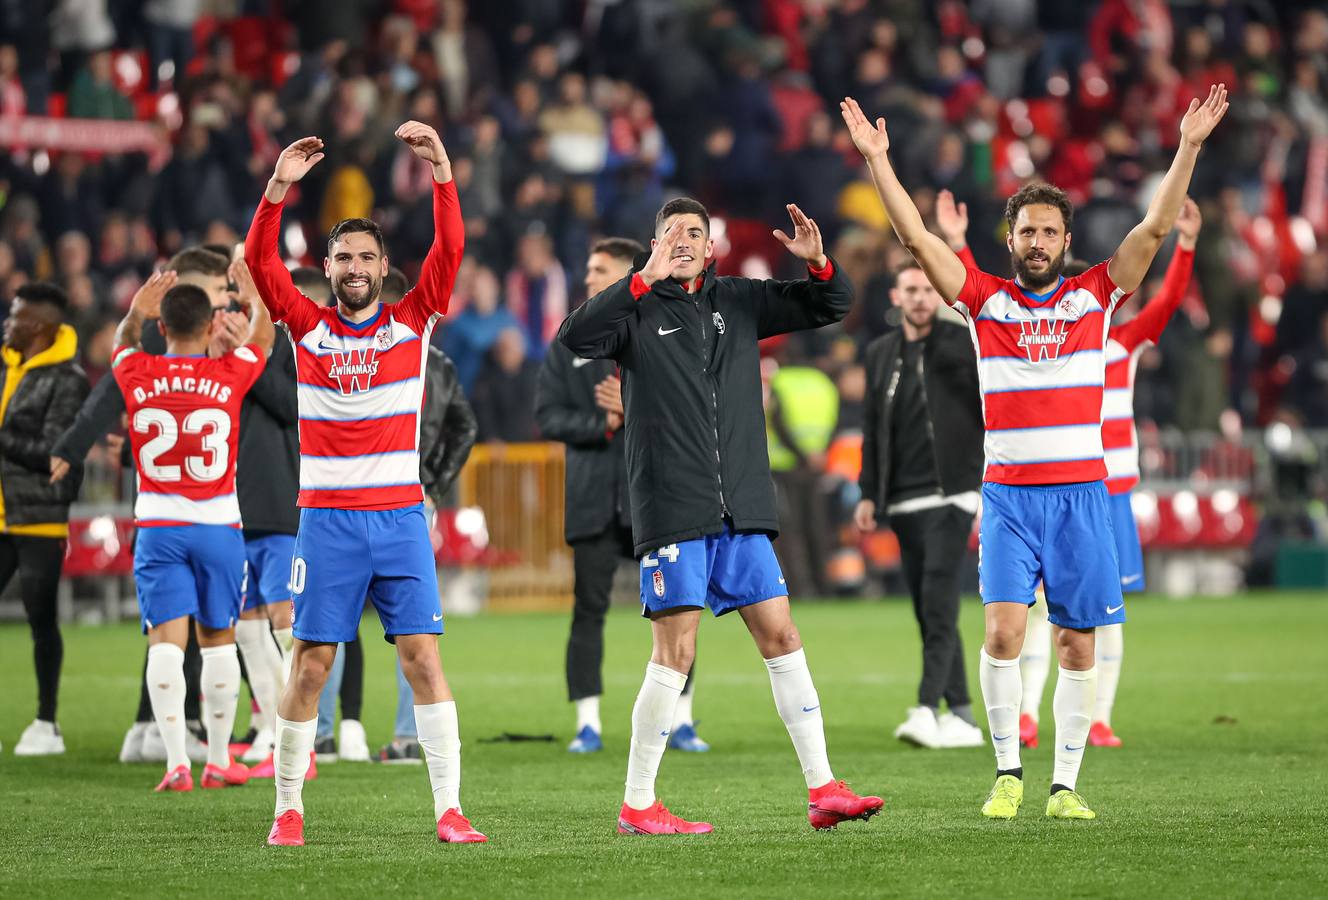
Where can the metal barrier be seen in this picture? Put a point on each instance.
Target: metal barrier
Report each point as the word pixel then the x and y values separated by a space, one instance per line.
pixel 520 489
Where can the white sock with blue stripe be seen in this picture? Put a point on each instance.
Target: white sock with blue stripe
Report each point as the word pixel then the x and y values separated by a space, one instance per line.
pixel 1071 704
pixel 1001 691
pixel 1110 644
pixel 652 717
pixel 800 708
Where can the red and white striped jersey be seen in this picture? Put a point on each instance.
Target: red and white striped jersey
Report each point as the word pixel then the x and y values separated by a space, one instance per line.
pixel 1041 367
pixel 1125 343
pixel 184 427
pixel 360 385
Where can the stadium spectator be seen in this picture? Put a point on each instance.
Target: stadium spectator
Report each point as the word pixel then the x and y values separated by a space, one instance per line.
pixel 536 291
pixel 93 95
pixel 43 388
pixel 504 391
pixel 468 335
pixel 923 483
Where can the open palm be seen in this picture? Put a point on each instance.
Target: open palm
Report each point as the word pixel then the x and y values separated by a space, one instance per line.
pixel 806 241
pixel 871 140
pixel 297 159
pixel 1201 118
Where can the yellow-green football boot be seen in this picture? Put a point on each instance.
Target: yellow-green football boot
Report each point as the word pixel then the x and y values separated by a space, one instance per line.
pixel 1068 805
pixel 1004 799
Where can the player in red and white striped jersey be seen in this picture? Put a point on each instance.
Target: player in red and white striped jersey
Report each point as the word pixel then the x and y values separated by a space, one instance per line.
pixel 1041 341
pixel 184 424
pixel 363 530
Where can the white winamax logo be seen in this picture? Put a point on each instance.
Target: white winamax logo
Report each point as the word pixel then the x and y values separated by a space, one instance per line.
pixel 1042 338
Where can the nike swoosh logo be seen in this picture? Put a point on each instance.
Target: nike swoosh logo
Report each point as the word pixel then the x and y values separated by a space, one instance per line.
pixel 662 332
pixel 578 362
pixel 1131 579
pixel 1073 749
pixel 322 346
pixel 438 617
pixel 663 734
pixel 1112 610
pixel 811 708
pixel 1001 737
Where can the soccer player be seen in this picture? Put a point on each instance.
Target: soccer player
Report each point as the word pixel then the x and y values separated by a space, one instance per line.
pixel 1040 339
pixel 703 504
pixel 1120 442
pixel 184 424
pixel 579 402
pixel 363 530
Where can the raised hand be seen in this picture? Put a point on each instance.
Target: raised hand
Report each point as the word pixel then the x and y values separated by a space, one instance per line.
pixel 952 220
pixel 1188 223
pixel 871 140
pixel 425 143
pixel 245 289
pixel 806 241
pixel 661 263
pixel 1201 118
pixel 147 299
pixel 228 332
pixel 297 159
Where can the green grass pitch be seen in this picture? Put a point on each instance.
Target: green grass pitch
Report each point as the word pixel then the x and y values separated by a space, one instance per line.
pixel 1220 790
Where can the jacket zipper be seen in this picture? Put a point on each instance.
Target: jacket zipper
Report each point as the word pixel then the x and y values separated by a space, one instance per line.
pixel 714 412
pixel 926 415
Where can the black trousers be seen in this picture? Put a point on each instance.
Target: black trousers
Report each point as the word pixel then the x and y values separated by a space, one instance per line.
pixel 594 560
pixel 932 544
pixel 804 530
pixel 38 561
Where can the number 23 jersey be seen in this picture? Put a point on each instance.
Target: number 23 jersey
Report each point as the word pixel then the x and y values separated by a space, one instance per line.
pixel 184 425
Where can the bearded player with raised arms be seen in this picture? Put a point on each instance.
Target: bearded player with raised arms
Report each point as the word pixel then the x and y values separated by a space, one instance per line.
pixel 1041 340
pixel 363 530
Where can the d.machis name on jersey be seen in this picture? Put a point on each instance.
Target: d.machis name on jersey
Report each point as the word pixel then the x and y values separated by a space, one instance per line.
pixel 184 384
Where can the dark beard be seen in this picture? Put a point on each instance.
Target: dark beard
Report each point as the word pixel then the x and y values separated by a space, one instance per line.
pixel 355 305
pixel 1037 281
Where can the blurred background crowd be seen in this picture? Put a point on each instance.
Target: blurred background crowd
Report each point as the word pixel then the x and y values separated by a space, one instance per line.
pixel 569 120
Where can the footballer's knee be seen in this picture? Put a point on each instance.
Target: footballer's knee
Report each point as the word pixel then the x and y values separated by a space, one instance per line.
pixel 780 642
pixel 310 671
pixel 1075 648
pixel 677 656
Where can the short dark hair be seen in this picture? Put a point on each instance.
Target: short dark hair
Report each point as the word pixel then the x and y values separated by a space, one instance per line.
pixel 679 206
pixel 43 292
pixel 219 249
pixel 352 226
pixel 394 286
pixel 312 283
pixel 186 310
pixel 200 260
pixel 625 249
pixel 1039 193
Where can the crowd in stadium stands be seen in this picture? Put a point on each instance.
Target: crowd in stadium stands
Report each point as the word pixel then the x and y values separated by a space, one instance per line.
pixel 572 119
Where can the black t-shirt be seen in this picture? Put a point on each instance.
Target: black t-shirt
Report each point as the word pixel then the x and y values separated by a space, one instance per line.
pixel 912 462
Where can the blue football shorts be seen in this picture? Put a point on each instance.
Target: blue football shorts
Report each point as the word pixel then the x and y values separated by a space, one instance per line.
pixel 343 556
pixel 1060 535
pixel 724 571
pixel 1129 551
pixel 189 570
pixel 268 578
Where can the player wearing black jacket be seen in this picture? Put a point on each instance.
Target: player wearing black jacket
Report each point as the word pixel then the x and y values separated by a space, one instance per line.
pixel 703 504
pixel 579 402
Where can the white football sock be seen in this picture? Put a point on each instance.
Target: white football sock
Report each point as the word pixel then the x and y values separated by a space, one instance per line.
pixel 220 679
pixel 800 708
pixel 682 712
pixel 294 743
pixel 1000 692
pixel 263 661
pixel 1071 704
pixel 651 718
pixel 587 713
pixel 1110 652
pixel 440 742
pixel 286 643
pixel 1035 659
pixel 165 678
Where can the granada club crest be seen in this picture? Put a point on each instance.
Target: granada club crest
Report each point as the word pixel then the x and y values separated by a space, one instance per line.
pixel 659 583
pixel 353 370
pixel 1042 338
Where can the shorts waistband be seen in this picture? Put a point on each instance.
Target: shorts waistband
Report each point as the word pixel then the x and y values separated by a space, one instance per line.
pixel 1072 487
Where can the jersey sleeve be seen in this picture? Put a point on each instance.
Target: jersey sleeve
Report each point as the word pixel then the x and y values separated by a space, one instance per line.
pixel 433 291
pixel 247 364
pixel 284 301
pixel 1147 327
pixel 979 287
